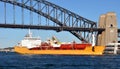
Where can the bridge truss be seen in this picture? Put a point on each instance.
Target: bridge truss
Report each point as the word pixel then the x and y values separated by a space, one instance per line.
pixel 41 14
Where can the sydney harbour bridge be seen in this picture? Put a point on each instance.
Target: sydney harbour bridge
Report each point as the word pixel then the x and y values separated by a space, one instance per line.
pixel 42 14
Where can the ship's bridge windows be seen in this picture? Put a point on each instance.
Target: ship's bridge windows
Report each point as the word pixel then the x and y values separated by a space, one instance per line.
pixel 32 38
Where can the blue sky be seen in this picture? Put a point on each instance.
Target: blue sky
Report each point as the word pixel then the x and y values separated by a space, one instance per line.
pixel 90 9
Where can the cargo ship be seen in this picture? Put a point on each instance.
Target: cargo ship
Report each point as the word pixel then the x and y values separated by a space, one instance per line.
pixel 34 45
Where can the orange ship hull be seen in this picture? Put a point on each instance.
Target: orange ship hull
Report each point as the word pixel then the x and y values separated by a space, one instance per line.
pixel 98 50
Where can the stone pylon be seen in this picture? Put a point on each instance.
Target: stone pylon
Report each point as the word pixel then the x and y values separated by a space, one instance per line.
pixel 109 23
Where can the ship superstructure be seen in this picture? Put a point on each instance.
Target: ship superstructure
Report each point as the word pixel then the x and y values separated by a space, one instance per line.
pixel 29 41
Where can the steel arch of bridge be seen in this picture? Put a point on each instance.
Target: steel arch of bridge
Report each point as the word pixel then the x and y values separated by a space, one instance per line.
pixel 62 17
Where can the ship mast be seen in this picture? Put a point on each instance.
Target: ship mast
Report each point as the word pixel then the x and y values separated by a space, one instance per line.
pixel 30 34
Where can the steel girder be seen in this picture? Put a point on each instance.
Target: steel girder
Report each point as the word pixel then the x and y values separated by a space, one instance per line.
pixel 57 14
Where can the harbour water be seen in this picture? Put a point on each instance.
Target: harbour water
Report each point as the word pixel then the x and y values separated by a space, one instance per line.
pixel 11 60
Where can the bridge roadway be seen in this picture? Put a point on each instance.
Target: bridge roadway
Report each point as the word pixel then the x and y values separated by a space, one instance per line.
pixel 119 30
pixel 57 28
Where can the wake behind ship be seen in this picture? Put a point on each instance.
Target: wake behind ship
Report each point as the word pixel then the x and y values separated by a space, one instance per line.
pixel 34 45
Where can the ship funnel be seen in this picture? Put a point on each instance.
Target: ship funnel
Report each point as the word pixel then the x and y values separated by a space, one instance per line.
pixel 29 34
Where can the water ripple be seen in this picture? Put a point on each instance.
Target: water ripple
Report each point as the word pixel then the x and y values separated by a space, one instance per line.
pixel 17 61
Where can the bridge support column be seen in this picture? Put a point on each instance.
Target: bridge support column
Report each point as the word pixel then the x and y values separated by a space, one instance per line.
pixel 110 35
